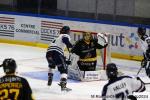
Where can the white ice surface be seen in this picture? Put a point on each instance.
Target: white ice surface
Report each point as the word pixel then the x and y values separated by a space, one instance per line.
pixel 33 66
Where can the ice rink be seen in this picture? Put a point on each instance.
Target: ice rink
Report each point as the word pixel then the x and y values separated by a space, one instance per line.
pixel 33 66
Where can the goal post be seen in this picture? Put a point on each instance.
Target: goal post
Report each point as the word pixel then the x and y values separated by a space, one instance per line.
pixel 106 54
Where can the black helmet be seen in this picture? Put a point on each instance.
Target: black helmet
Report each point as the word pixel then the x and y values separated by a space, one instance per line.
pixel 9 65
pixel 65 30
pixel 111 71
pixel 141 31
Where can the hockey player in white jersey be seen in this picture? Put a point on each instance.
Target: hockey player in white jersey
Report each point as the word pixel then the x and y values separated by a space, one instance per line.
pixel 145 44
pixel 55 56
pixel 120 88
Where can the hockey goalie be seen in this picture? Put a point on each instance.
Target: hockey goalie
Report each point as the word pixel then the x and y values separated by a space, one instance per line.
pixel 84 57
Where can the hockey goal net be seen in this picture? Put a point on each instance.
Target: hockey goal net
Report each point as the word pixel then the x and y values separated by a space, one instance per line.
pixel 103 57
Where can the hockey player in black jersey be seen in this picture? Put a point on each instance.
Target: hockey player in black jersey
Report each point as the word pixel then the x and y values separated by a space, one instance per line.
pixel 120 88
pixel 55 56
pixel 13 87
pixel 85 48
pixel 145 44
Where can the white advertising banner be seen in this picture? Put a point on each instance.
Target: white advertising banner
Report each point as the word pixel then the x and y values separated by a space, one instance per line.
pixel 27 28
pixel 49 30
pixel 7 27
pixel 123 39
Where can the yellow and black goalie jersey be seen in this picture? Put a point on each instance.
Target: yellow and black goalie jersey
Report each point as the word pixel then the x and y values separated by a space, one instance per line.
pixel 86 50
pixel 13 87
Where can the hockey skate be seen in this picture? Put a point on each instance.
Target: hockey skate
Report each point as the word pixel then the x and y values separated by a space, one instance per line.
pixel 50 79
pixel 62 84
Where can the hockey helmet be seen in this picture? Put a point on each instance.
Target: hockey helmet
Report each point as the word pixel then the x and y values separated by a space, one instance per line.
pixel 111 70
pixel 9 65
pixel 141 31
pixel 65 30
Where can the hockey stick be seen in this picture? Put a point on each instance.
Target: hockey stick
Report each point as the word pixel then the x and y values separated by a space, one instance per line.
pixel 1 65
pixel 141 68
pixel 138 78
pixel 147 83
pixel 148 62
pixel 139 71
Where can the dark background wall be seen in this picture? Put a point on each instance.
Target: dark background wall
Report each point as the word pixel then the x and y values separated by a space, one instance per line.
pixel 131 11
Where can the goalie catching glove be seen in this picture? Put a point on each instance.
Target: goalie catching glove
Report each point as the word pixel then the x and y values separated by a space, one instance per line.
pixel 102 39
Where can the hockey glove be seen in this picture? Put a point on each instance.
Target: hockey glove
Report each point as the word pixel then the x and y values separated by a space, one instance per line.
pixel 68 62
pixel 102 39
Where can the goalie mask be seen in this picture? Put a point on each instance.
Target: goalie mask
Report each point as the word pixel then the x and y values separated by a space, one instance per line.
pixel 9 66
pixel 111 71
pixel 87 36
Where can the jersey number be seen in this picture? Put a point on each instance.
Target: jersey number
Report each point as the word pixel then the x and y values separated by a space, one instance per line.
pixel 122 95
pixel 6 93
